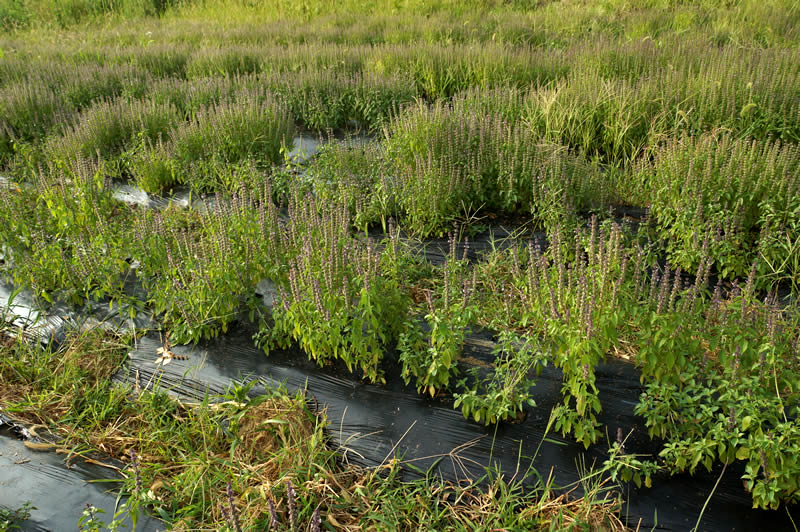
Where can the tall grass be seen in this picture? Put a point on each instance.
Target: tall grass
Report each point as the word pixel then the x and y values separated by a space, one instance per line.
pixel 440 72
pixel 79 80
pixel 159 59
pixel 748 21
pixel 618 117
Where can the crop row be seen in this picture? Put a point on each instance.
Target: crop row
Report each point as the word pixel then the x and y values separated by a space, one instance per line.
pixel 612 108
pixel 481 154
pixel 719 364
pixel 736 200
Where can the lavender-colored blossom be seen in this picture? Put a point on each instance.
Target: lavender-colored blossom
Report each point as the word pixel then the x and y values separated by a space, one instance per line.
pixel 233 514
pixel 316 522
pixel 291 499
pixel 274 522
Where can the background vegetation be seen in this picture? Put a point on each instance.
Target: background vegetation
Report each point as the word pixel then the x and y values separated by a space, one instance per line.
pixel 644 152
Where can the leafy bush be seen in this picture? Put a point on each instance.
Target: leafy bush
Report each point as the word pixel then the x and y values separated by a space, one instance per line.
pixel 456 162
pixel 322 100
pixel 430 347
pixel 507 389
pixel 335 299
pixel 250 129
pixel 356 176
pixel 722 195
pixel 64 235
pixel 723 387
pixel 109 128
pixel 201 270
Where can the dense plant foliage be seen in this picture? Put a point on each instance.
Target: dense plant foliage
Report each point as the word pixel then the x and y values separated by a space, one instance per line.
pixel 646 158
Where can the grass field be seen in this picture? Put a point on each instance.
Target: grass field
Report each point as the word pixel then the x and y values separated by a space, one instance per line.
pixel 441 118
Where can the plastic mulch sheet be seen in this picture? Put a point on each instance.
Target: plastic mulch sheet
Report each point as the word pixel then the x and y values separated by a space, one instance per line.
pixel 58 494
pixel 371 424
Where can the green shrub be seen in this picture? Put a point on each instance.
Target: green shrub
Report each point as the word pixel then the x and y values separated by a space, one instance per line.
pixel 193 96
pixel 252 126
pixel 720 196
pixel 109 128
pixel 64 235
pixel 198 276
pixel 336 298
pixel 456 163
pixel 153 167
pixel 430 346
pixel 322 100
pixel 356 176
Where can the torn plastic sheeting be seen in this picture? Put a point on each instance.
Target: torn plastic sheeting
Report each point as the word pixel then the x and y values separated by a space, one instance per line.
pixel 59 494
pixel 370 424
pixel 134 195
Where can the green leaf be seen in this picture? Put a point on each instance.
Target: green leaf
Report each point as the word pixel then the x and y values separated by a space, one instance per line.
pixel 746 421
pixel 743 453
